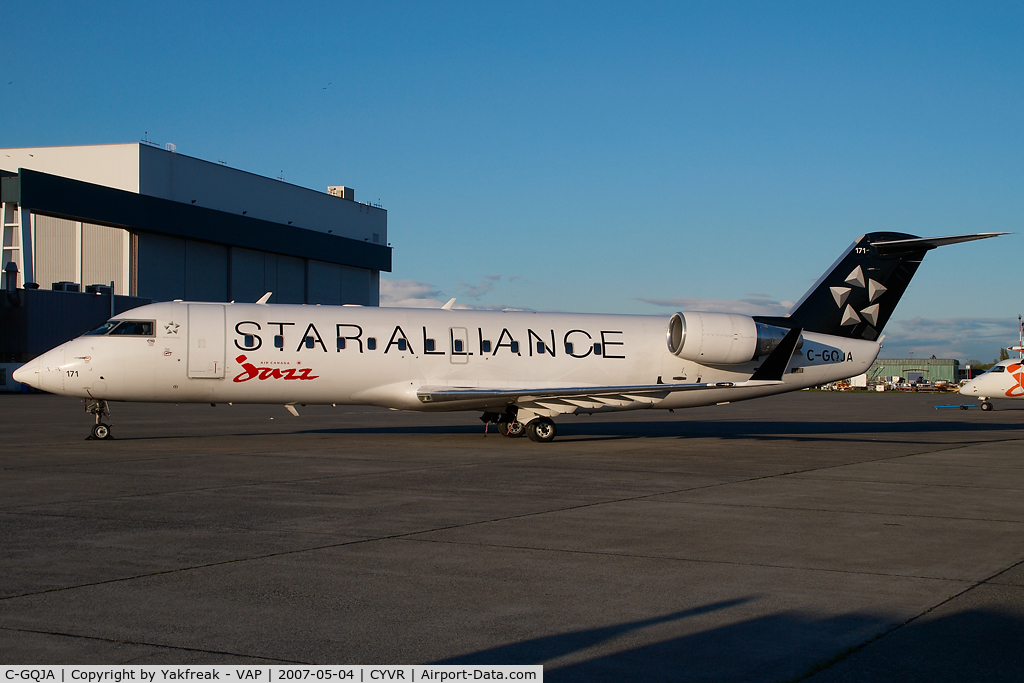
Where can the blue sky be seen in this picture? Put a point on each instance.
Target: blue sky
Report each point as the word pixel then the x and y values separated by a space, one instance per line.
pixel 586 157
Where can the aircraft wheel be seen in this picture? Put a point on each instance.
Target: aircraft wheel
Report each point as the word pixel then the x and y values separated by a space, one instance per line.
pixel 101 431
pixel 541 430
pixel 512 429
pixel 986 405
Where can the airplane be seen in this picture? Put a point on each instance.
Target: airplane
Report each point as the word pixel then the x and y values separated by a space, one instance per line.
pixel 1005 379
pixel 518 369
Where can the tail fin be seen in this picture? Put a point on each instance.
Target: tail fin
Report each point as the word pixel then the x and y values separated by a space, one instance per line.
pixel 856 296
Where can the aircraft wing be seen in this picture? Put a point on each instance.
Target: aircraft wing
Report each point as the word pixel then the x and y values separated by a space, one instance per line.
pixel 568 399
pixel 442 394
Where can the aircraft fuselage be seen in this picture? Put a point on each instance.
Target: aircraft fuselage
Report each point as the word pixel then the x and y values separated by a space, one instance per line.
pixel 260 353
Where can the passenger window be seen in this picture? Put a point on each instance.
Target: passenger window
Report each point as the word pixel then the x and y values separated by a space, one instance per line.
pixel 540 347
pixel 249 341
pixel 458 346
pixel 402 345
pixel 371 343
pixel 428 345
pixel 485 346
pixel 310 342
pixel 279 341
pixel 597 349
pixel 568 348
pixel 515 347
pixel 341 343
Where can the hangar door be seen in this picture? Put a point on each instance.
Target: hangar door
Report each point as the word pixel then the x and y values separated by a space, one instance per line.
pixel 206 341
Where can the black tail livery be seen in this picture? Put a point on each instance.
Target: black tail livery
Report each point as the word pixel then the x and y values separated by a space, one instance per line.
pixel 856 296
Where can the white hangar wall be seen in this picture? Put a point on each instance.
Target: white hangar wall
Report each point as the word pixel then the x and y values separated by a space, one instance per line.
pixel 186 179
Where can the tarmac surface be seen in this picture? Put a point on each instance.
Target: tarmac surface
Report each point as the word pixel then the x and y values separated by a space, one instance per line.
pixel 812 536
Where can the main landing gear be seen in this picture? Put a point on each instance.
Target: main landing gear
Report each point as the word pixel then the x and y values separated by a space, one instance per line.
pixel 985 405
pixel 512 429
pixel 539 429
pixel 100 409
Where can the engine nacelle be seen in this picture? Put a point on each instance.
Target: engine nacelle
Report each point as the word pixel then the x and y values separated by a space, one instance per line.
pixel 721 338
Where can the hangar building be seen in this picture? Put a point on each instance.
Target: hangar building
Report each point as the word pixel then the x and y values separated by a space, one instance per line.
pixel 916 369
pixel 161 225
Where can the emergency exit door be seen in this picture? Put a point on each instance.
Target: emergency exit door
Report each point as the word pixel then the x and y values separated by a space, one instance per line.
pixel 206 341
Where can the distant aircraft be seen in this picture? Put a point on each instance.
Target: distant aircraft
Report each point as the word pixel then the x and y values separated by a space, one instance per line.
pixel 518 369
pixel 1005 379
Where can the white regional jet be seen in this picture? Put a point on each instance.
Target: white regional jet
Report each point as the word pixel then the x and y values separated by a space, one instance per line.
pixel 1005 379
pixel 519 369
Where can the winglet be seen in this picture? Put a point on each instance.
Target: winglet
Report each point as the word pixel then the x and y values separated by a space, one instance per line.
pixel 448 306
pixel 265 298
pixel 774 366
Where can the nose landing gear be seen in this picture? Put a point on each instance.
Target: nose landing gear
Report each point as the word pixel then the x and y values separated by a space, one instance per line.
pixel 100 430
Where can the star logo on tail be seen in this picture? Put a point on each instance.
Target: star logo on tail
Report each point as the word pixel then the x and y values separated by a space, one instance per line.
pixel 874 288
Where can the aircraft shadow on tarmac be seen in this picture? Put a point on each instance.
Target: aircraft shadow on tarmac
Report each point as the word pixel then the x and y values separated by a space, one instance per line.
pixel 971 645
pixel 723 429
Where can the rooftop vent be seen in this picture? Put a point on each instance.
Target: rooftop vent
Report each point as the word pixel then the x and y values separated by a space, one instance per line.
pixel 342 191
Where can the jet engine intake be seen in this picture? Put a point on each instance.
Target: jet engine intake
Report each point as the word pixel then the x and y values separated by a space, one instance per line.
pixel 721 338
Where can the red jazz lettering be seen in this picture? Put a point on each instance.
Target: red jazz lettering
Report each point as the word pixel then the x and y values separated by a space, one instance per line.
pixel 1017 371
pixel 250 371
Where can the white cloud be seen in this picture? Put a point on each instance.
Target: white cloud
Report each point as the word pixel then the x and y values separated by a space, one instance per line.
pixel 758 304
pixel 414 294
pixel 410 294
pixel 482 287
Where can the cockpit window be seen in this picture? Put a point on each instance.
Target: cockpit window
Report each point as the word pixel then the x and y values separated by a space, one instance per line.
pixel 998 368
pixel 134 328
pixel 128 328
pixel 105 327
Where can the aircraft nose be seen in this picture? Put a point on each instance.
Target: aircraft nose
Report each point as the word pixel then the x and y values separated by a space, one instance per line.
pixel 44 372
pixel 28 373
pixel 969 389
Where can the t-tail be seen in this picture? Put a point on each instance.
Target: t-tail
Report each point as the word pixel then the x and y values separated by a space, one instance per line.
pixel 858 294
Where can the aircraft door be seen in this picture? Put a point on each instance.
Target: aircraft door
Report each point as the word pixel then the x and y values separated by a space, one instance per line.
pixel 459 338
pixel 206 341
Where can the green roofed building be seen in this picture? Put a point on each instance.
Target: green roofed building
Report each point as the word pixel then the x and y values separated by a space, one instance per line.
pixel 915 369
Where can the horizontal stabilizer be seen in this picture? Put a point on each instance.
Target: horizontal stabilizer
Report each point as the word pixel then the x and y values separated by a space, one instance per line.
pixel 891 247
